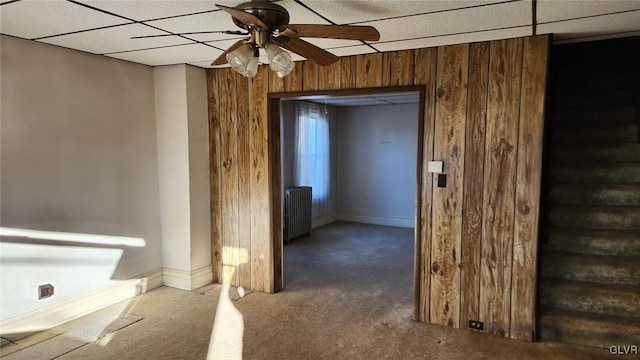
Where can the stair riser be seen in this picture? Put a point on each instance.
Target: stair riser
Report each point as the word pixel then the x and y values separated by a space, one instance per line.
pixel 598 273
pixel 620 175
pixel 582 100
pixel 595 246
pixel 577 195
pixel 580 155
pixel 617 134
pixel 609 302
pixel 594 334
pixel 577 118
pixel 592 85
pixel 597 220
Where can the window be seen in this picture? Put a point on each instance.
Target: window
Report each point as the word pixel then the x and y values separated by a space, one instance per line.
pixel 311 154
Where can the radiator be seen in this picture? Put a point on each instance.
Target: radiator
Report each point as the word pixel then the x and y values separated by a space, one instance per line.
pixel 297 212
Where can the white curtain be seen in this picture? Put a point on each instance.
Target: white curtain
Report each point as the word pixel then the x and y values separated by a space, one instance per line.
pixel 311 153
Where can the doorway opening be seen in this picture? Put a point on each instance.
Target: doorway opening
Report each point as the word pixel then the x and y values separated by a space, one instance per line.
pixel 374 147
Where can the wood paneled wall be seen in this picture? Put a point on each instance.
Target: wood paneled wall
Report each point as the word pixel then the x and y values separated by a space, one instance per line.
pixel 476 238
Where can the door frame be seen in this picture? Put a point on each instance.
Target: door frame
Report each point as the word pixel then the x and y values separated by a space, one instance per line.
pixel 275 170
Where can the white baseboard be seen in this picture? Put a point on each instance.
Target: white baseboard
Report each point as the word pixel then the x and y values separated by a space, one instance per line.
pixel 322 221
pixel 67 310
pixel 188 280
pixel 378 220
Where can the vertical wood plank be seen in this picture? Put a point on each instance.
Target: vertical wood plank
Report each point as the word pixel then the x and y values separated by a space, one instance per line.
pixel 505 60
pixel 386 68
pixel 425 74
pixel 276 195
pixel 451 99
pixel 529 170
pixel 276 84
pixel 293 81
pixel 261 220
pixel 229 175
pixel 348 72
pixel 244 199
pixel 369 70
pixel 213 94
pixel 401 68
pixel 473 178
pixel 329 76
pixel 310 76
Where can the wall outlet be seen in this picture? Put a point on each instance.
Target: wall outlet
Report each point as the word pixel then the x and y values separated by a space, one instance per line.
pixel 45 291
pixel 476 325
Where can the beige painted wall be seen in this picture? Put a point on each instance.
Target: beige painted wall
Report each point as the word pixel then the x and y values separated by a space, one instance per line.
pixel 183 159
pixel 78 154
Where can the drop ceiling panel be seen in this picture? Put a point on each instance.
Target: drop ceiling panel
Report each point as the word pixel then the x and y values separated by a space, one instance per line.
pixel 593 26
pixel 403 24
pixel 181 54
pixel 554 10
pixel 114 39
pixel 153 9
pixel 469 20
pixel 31 19
pixel 351 50
pixel 348 12
pixel 301 15
pixel 455 39
pixel 212 21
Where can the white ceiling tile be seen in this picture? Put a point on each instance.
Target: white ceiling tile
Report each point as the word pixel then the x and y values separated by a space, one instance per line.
pixel 46 18
pixel 347 12
pixel 455 39
pixel 455 22
pixel 152 9
pixel 31 19
pixel 554 10
pixel 114 39
pixel 593 26
pixel 213 21
pixel 301 15
pixel 192 53
pixel 204 64
pixel 351 50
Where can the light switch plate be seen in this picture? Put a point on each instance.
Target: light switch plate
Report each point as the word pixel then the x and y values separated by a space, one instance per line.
pixel 434 166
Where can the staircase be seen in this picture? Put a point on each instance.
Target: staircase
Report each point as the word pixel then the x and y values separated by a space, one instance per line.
pixel 589 284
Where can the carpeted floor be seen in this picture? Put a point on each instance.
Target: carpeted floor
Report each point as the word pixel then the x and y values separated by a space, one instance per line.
pixel 348 295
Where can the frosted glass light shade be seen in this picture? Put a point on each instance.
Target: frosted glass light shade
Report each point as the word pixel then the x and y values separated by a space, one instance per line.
pixel 244 61
pixel 279 60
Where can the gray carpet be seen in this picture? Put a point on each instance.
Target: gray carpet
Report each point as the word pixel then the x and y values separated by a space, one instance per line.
pixel 348 295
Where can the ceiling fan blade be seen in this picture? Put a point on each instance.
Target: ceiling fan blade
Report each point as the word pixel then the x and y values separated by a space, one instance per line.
pixel 310 51
pixel 229 32
pixel 348 32
pixel 222 59
pixel 244 17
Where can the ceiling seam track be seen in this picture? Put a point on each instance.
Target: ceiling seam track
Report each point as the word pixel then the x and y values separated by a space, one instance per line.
pixel 458 33
pixel 8 2
pixel 433 12
pixel 139 22
pixel 589 16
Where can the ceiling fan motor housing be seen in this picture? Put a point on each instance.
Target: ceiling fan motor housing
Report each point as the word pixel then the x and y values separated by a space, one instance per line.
pixel 272 15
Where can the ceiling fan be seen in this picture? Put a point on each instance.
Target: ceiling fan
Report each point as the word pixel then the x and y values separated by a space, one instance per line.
pixel 267 25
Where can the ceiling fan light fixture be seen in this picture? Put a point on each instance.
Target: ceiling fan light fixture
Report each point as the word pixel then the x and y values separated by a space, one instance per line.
pixel 279 60
pixel 244 61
